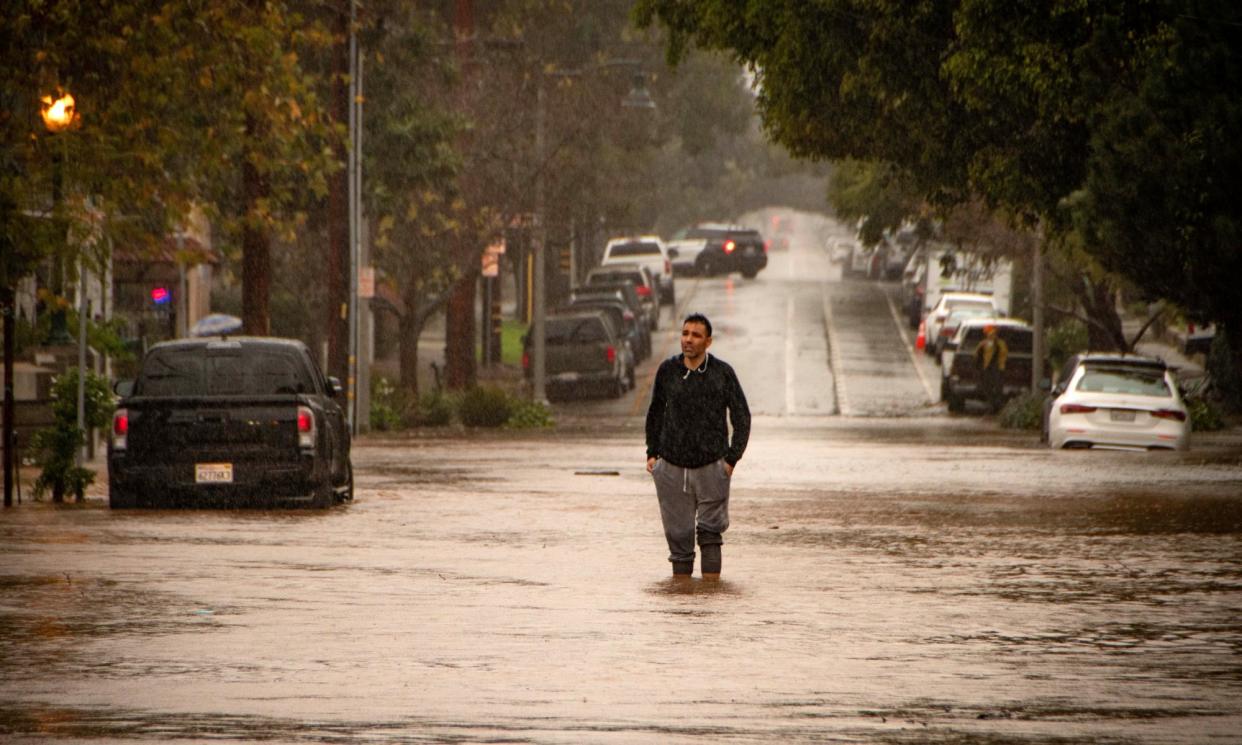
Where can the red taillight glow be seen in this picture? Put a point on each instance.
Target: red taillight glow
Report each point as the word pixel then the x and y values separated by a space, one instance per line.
pixel 306 427
pixel 120 422
pixel 611 353
pixel 1173 414
pixel 1076 409
pixel 120 429
pixel 766 245
pixel 525 360
pixel 643 291
pixel 729 246
pixel 668 267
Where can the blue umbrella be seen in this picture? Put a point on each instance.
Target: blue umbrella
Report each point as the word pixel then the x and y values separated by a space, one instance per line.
pixel 216 324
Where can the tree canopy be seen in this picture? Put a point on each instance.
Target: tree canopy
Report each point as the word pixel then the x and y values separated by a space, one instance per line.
pixel 1118 118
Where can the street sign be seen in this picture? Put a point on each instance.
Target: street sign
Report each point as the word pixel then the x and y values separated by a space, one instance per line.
pixel 366 282
pixel 491 259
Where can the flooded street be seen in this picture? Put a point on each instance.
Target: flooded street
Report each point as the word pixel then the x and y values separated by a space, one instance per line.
pixel 884 581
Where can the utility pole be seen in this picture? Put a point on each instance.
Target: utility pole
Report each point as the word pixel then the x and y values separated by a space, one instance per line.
pixel 540 233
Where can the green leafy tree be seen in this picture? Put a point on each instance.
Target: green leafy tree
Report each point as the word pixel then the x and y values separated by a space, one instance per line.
pixel 1113 117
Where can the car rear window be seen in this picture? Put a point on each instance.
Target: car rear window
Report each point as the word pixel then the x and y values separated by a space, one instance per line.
pixel 1127 380
pixel 1019 340
pixel 203 372
pixel 607 278
pixel 575 330
pixel 960 304
pixel 634 249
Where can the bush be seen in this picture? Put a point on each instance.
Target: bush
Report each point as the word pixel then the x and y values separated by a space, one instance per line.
pixel 387 410
pixel 433 410
pixel 1205 416
pixel 529 415
pixel 1023 412
pixel 485 407
pixel 56 447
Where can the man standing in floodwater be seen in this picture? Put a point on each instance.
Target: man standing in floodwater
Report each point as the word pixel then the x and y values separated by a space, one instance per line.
pixel 689 455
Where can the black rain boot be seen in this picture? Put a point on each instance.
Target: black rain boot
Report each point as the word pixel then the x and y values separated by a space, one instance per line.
pixel 683 568
pixel 711 559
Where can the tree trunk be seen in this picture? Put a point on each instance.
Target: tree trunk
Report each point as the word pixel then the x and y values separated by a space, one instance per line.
pixel 1099 305
pixel 338 268
pixel 459 333
pixel 256 243
pixel 410 328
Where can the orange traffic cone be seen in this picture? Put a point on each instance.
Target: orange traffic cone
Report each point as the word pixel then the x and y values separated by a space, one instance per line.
pixel 920 342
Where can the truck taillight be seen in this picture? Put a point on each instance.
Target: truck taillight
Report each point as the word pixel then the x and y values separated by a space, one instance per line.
pixel 120 429
pixel 729 246
pixel 611 354
pixel 525 360
pixel 643 291
pixel 306 427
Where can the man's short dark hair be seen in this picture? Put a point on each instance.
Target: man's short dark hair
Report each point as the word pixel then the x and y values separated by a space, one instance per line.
pixel 699 318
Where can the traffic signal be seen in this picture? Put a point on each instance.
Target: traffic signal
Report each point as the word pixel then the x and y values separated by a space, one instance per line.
pixel 161 298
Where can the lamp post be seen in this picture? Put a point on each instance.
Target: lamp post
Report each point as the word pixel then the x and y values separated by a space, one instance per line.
pixel 59 115
pixel 637 98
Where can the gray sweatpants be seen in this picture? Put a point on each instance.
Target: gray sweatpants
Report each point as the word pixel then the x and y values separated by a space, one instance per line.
pixel 685 492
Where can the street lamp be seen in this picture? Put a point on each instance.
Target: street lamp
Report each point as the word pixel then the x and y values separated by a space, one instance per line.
pixel 637 98
pixel 60 114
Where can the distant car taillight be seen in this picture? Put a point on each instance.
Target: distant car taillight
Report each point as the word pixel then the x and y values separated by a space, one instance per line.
pixel 766 246
pixel 306 427
pixel 643 291
pixel 611 354
pixel 1076 409
pixel 120 429
pixel 729 246
pixel 525 360
pixel 1173 414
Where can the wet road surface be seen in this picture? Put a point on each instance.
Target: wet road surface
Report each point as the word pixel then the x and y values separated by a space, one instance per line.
pixel 885 581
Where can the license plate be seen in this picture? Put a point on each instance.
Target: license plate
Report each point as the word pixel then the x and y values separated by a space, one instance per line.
pixel 568 377
pixel 1118 415
pixel 213 473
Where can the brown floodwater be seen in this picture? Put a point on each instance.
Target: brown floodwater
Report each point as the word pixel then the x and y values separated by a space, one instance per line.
pixel 884 581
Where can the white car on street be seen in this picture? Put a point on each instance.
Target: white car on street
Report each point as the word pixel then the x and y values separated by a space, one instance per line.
pixel 649 251
pixel 1118 402
pixel 951 301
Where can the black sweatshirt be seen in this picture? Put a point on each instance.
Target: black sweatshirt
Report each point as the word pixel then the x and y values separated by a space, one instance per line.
pixel 686 420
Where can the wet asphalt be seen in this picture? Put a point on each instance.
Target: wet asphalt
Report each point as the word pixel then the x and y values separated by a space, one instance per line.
pixel 893 575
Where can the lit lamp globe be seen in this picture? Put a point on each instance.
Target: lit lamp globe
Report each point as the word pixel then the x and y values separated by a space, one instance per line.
pixel 58 114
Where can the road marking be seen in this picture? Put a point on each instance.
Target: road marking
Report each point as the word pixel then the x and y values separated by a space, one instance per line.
pixel 678 314
pixel 791 352
pixel 905 340
pixel 834 357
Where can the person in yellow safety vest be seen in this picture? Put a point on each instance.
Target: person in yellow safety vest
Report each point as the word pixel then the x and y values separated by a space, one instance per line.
pixel 990 358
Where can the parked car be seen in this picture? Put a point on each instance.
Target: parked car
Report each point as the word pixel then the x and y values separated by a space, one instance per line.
pixel 713 249
pixel 633 274
pixel 952 322
pixel 637 336
pixel 840 251
pixel 861 261
pixel 649 251
pixel 959 379
pixel 240 420
pixel 583 353
pixel 1118 402
pixel 624 291
pixel 914 287
pixel 951 301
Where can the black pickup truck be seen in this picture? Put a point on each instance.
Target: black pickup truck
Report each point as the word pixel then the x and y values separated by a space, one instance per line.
pixel 237 420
